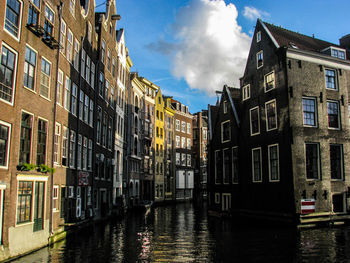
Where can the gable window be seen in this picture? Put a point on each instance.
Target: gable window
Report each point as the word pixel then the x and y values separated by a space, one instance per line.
pixel 259 59
pixel 336 157
pixel 33 12
pixel 5 135
pixel 7 76
pixel 254 121
pixel 333 115
pixel 273 162
pixel 269 81
pixel 235 165
pixel 13 17
pixel 225 131
pixel 258 36
pixel 225 106
pixel 26 138
pixel 45 78
pixel 246 92
pixel 41 142
pixel 331 79
pixel 271 115
pixel 309 112
pixel 312 160
pixel 49 21
pixel 256 164
pixel 29 68
pixel 226 168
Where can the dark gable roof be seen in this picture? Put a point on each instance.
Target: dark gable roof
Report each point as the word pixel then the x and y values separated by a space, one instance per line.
pixel 285 37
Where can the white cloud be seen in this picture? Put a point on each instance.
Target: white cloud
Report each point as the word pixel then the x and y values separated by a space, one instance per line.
pixel 252 13
pixel 212 49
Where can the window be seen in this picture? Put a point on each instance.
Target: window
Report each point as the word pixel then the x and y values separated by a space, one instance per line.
pixel 109 59
pixel 92 76
pixel 91 113
pixel 81 105
pixel 218 167
pixel 45 78
pixel 235 165
pixel 188 128
pixel 103 51
pixel 63 37
pixel 29 68
pixel 101 84
pixel 178 161
pixel 336 157
pixel 309 112
pixel 104 129
pixel 273 155
pixel 333 115
pixel 49 21
pixel 24 202
pixel 113 67
pixel 5 135
pixel 74 99
pixel 177 141
pixel 183 142
pixel 111 98
pixel 188 143
pixel 226 168
pixel 72 149
pixel 183 126
pixel 41 142
pixel 89 164
pixel 70 46
pixel 177 125
pixel 246 92
pixel 254 121
pixel 331 79
pixel 65 137
pixel 258 36
pixel 259 59
pixel 189 160
pixel 72 7
pixel 183 159
pixel 225 106
pixel 86 109
pixel 55 198
pixel 76 54
pixel 59 95
pixel 271 115
pixel 67 94
pixel 99 123
pixel 33 12
pixel 26 138
pixel 80 142
pixel 106 89
pixel 256 164
pixel 338 53
pixel 312 161
pixel 85 153
pixel 87 69
pixel 13 17
pixel 57 145
pixel 82 65
pixel 225 131
pixel 269 81
pixel 7 76
pixel 89 32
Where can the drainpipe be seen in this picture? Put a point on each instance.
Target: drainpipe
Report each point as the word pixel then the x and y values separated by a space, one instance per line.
pixel 60 8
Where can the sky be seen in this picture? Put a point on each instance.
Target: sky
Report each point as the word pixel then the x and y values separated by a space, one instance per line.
pixel 191 48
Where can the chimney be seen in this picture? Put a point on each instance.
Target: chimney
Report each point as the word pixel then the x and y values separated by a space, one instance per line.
pixel 345 42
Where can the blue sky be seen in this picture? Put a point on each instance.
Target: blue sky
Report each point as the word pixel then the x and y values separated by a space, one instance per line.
pixel 190 48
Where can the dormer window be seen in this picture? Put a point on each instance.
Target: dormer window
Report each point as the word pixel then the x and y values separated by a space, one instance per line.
pixel 259 59
pixel 338 53
pixel 258 36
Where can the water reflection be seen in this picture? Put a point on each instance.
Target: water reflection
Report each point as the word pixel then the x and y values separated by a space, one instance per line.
pixel 184 233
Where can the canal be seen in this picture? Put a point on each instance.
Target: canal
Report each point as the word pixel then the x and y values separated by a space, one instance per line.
pixel 184 233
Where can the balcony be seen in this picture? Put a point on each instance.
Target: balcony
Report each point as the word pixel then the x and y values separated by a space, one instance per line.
pixel 36 29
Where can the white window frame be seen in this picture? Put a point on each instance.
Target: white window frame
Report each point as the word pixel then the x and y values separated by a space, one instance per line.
pixel 257 59
pixel 59 91
pixel 67 94
pixel 70 43
pixel 177 125
pixel 339 117
pixel 315 108
pixel 189 143
pixel 335 78
pixel 74 101
pixel 258 36
pixel 260 161
pixel 266 117
pixel 63 37
pixel 246 92
pixel 65 137
pixel 250 121
pixel 9 126
pixel 55 194
pixel 278 162
pixel 57 144
pixel 222 131
pixel 177 141
pixel 76 54
pixel 18 37
pixel 266 82
pixel 188 128
pixel 49 86
pixel 72 150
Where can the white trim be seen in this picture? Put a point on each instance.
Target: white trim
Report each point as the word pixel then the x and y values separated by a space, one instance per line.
pixel 339 116
pixel 267 125
pixel 24 177
pixel 258 36
pixel 278 162
pixel 245 87
pixel 31 138
pixel 336 83
pixel 257 61
pixel 255 181
pixel 36 68
pixel 222 131
pixel 316 111
pixel 20 22
pixel 250 120
pixel 9 125
pixel 41 72
pixel 274 81
pixel 269 34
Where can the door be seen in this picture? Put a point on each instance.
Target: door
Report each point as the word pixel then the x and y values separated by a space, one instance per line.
pixel 39 206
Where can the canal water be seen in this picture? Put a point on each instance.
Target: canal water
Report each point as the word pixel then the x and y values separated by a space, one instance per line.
pixel 185 233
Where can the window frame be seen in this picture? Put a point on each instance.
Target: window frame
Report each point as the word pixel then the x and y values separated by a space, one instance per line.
pixel 30 64
pixel 18 37
pixel 226 177
pixel 258 36
pixel 266 83
pixel 338 115
pixel 49 77
pixel 14 77
pixel 315 111
pixel 222 131
pixel 52 23
pixel 335 78
pixel 250 120
pixel 31 138
pixel 245 94
pixel 46 139
pixel 318 161
pixel 257 59
pixel 341 147
pixel 260 165
pixel 269 162
pixel 267 117
pixel 8 143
